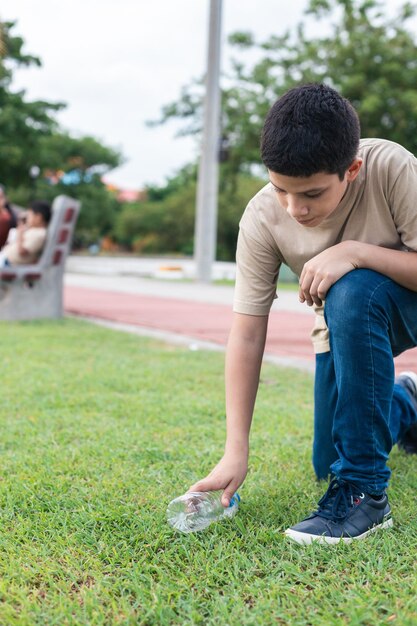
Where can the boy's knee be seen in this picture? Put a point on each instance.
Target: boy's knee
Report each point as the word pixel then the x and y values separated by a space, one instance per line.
pixel 342 300
pixel 351 295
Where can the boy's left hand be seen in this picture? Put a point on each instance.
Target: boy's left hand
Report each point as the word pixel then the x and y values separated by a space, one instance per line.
pixel 323 270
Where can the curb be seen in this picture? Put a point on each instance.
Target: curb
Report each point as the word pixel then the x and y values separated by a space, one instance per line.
pixel 191 342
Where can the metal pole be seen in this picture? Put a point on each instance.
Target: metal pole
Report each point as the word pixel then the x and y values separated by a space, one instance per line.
pixel 206 215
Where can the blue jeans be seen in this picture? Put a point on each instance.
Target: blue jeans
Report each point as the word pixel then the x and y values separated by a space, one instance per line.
pixel 359 412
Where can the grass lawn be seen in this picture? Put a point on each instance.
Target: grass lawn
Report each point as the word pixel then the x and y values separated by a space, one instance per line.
pixel 286 286
pixel 101 429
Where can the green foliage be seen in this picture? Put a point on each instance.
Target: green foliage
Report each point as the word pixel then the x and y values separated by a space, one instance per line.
pixel 372 61
pixel 101 429
pixel 369 57
pixel 62 151
pixel 29 135
pixel 22 122
pixel 186 175
pixel 163 226
pixel 166 225
pixel 87 160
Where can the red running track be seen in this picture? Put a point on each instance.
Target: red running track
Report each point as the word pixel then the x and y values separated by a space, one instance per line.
pixel 288 332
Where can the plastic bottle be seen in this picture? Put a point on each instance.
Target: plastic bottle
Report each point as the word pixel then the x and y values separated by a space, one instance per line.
pixel 196 510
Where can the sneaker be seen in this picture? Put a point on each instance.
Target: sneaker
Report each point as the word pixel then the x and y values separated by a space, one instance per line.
pixel 408 381
pixel 344 513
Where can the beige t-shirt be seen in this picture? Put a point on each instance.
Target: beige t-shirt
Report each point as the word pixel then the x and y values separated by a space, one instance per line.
pixel 33 242
pixel 379 207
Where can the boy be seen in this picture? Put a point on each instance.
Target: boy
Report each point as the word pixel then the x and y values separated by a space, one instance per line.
pixel 30 236
pixel 342 213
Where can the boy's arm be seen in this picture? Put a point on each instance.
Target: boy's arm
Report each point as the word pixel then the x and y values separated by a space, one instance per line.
pixel 399 265
pixel 323 270
pixel 243 364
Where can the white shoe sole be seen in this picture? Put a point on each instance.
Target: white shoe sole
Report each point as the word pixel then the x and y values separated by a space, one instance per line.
pixel 411 375
pixel 307 539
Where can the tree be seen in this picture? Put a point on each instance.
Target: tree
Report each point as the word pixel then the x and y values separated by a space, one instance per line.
pixel 75 166
pixel 165 224
pixel 29 135
pixel 369 57
pixel 84 154
pixel 22 122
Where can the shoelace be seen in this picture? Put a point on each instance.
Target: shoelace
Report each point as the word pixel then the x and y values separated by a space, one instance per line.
pixel 337 501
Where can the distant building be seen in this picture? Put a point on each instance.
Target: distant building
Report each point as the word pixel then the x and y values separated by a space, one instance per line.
pixel 126 195
pixel 131 195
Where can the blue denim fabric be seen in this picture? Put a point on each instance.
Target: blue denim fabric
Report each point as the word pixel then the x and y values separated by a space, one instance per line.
pixel 359 412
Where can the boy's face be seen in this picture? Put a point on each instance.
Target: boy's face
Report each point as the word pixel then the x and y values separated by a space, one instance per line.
pixel 309 200
pixel 34 220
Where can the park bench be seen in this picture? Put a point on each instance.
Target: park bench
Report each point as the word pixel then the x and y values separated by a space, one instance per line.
pixel 35 291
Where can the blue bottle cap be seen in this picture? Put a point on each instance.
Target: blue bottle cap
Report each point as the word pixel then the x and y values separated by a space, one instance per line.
pixel 233 499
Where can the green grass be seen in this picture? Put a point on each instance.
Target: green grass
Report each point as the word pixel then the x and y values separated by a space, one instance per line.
pixel 101 429
pixel 286 286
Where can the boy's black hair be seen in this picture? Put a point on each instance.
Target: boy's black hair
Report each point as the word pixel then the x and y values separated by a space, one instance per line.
pixel 310 129
pixel 42 207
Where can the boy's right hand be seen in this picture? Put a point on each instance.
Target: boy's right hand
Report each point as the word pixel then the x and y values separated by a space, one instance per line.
pixel 228 474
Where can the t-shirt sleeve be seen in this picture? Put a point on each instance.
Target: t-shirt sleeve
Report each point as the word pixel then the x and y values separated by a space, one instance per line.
pixel 403 202
pixel 257 268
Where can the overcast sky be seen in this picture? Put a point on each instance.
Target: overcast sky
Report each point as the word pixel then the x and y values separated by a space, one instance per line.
pixel 116 64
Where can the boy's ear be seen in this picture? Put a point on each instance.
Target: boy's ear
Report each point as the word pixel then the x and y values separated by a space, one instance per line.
pixel 353 170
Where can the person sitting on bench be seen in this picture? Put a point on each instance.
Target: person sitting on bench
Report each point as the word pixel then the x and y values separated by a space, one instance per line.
pixel 30 236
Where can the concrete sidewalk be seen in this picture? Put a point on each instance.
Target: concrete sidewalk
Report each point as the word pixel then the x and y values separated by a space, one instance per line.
pixel 186 312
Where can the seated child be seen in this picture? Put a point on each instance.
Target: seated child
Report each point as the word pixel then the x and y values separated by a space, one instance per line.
pixel 30 236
